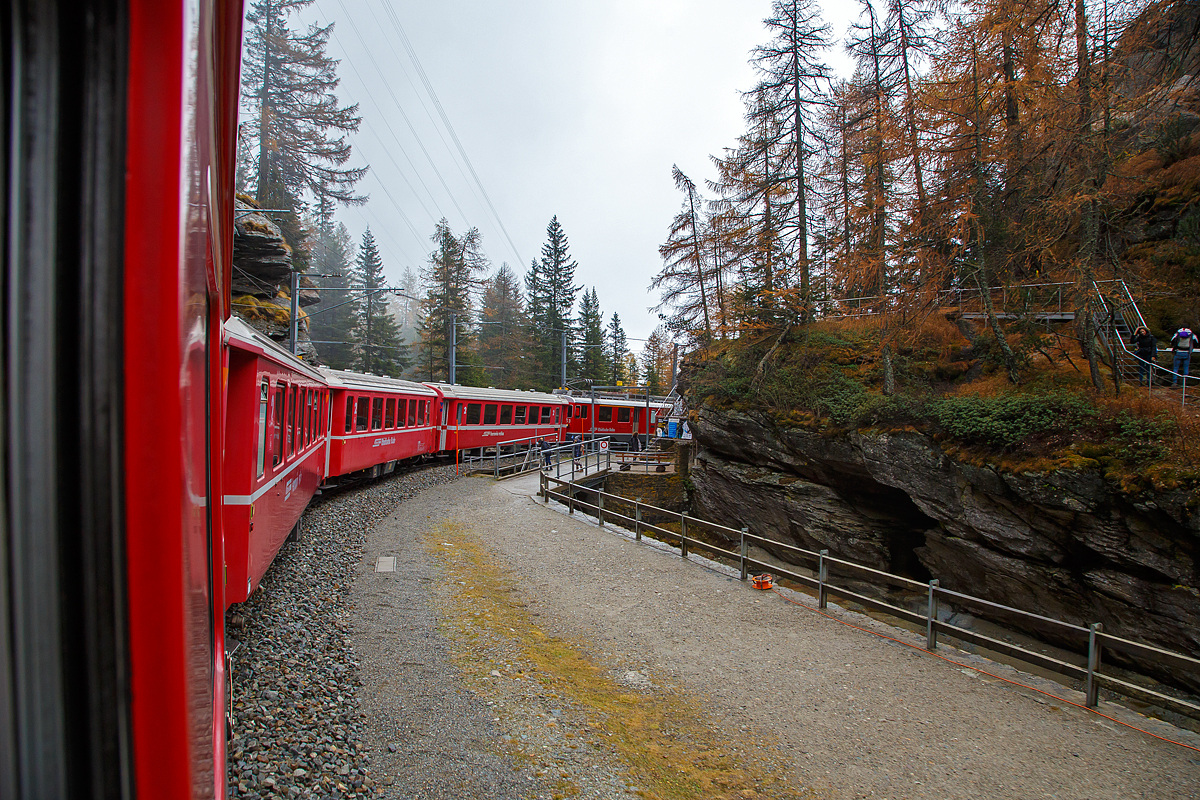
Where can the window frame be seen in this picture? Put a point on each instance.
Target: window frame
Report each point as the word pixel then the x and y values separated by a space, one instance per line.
pixel 389 413
pixel 604 414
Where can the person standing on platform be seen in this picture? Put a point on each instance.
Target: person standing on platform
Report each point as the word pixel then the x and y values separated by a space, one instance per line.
pixel 1146 350
pixel 1182 344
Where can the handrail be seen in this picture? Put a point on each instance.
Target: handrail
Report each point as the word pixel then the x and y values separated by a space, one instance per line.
pixel 1097 640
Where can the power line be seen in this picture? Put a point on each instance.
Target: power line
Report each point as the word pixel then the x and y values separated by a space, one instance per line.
pixel 446 121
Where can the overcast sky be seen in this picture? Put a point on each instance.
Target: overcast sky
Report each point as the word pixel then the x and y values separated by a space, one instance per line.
pixel 575 109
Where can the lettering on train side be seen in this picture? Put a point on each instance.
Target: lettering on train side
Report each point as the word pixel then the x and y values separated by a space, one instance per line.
pixel 290 487
pixel 385 440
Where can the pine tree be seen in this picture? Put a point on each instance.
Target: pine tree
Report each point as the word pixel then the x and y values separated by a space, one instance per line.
pixel 593 358
pixel 656 361
pixel 380 349
pixel 332 322
pixel 449 276
pixel 551 291
pixel 503 335
pixel 618 353
pixel 296 124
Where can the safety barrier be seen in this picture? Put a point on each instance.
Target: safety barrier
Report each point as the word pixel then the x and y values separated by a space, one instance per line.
pixel 820 563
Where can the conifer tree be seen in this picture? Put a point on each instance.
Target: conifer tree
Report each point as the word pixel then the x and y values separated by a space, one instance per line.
pixel 331 323
pixel 656 361
pixel 380 349
pixel 503 335
pixel 551 291
pixel 686 280
pixel 618 352
pixel 449 276
pixel 593 358
pixel 297 126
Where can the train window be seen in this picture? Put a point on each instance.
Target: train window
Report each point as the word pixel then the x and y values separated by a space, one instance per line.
pixel 557 413
pixel 264 395
pixel 363 415
pixel 472 414
pixel 546 411
pixel 533 415
pixel 569 411
pixel 506 415
pixel 489 414
pixel 389 414
pixel 424 412
pixel 308 416
pixel 349 415
pixel 290 423
pixel 622 415
pixel 581 412
pixel 412 413
pixel 377 414
pixel 280 397
pixel 519 419
pixel 604 414
pixel 401 412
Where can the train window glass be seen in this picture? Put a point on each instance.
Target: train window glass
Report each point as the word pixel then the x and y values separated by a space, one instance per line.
pixel 389 413
pixel 489 414
pixel 546 415
pixel 412 413
pixel 519 419
pixel 280 396
pixel 349 415
pixel 308 416
pixel 364 414
pixel 604 414
pixel 533 415
pixel 424 412
pixel 290 422
pixel 569 411
pixel 622 415
pixel 472 414
pixel 506 415
pixel 401 412
pixel 377 414
pixel 581 412
pixel 264 395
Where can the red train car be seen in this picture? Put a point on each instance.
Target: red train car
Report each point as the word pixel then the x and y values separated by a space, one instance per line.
pixel 276 427
pixel 378 421
pixel 473 417
pixel 618 417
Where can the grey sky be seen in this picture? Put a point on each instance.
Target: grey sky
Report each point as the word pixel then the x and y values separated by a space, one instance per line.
pixel 571 108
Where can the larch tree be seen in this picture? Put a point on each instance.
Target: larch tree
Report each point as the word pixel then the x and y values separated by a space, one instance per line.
pixel 791 89
pixel 296 123
pixel 503 334
pixel 656 359
pixel 686 283
pixel 449 276
pixel 378 344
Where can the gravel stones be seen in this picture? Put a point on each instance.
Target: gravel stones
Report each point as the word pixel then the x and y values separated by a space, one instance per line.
pixel 298 729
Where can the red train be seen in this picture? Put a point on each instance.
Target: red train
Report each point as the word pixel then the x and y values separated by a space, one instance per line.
pixel 158 451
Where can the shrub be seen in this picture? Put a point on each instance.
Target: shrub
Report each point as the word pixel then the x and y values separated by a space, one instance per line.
pixel 1005 421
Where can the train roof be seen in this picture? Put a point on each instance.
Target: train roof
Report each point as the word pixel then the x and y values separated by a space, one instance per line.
pixel 618 401
pixel 243 334
pixel 460 392
pixel 343 379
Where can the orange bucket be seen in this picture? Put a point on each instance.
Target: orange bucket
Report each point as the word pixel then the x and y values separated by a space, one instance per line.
pixel 763 581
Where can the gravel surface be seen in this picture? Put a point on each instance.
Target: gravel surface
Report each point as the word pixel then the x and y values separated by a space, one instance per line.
pixel 299 731
pixel 850 714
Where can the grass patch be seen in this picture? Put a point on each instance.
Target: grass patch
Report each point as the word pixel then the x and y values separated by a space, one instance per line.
pixel 671 751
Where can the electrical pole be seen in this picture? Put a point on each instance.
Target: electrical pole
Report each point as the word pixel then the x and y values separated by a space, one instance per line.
pixel 453 345
pixel 293 322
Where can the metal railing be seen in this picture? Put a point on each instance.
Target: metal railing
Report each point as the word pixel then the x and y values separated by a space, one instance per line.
pixel 1092 639
pixel 1117 317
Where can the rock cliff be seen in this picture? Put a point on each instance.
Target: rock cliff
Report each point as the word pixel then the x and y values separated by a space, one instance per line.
pixel 1065 544
pixel 261 285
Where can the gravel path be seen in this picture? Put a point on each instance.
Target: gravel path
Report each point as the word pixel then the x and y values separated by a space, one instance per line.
pixel 845 713
pixel 298 729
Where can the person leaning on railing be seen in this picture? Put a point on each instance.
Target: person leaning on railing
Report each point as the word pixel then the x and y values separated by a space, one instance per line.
pixel 1146 349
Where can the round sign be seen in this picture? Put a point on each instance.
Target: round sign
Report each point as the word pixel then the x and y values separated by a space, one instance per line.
pixel 604 444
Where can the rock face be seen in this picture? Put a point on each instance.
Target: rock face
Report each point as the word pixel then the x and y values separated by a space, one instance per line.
pixel 1063 544
pixel 261 285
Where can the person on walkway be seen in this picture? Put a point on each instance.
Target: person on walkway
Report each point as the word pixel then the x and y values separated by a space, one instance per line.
pixel 1182 344
pixel 544 446
pixel 578 440
pixel 1146 349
